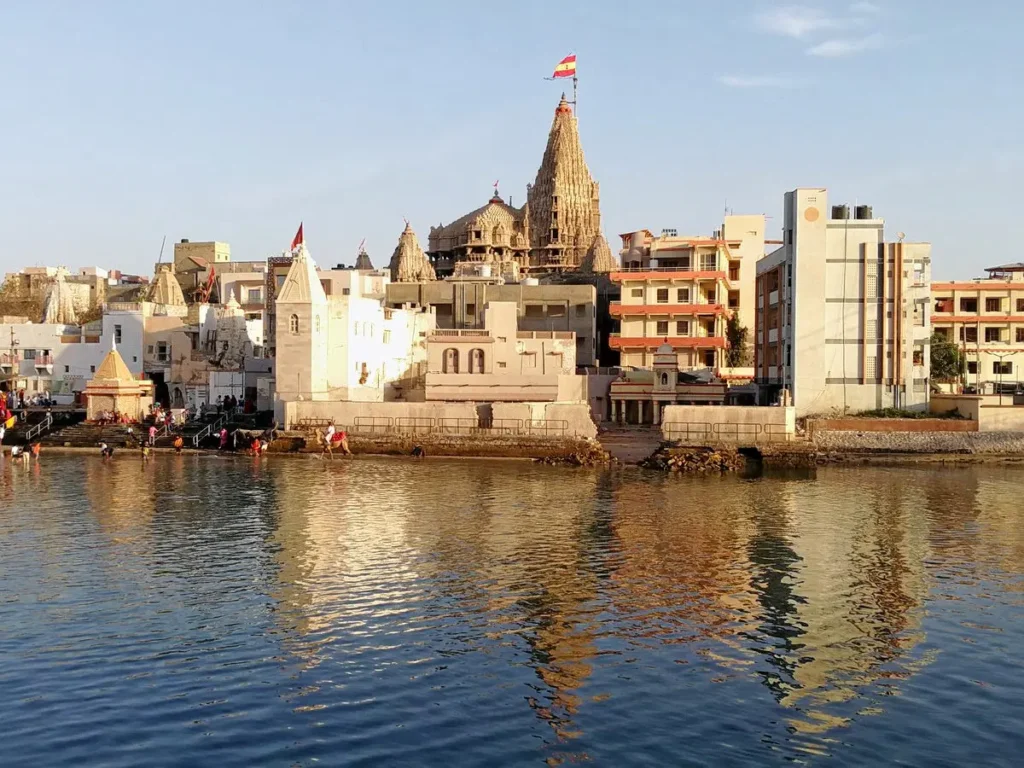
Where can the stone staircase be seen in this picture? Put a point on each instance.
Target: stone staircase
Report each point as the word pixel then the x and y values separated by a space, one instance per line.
pixel 630 444
pixel 90 436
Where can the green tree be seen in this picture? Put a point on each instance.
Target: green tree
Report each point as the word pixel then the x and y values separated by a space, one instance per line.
pixel 947 363
pixel 738 353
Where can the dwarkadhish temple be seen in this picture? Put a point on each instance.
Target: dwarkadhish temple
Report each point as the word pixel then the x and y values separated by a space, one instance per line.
pixel 557 230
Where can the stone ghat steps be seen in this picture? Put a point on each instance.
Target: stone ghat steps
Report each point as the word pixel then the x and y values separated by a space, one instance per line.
pixel 90 436
pixel 630 445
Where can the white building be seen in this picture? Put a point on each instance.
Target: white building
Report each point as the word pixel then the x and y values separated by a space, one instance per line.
pixel 61 359
pixel 842 320
pixel 345 346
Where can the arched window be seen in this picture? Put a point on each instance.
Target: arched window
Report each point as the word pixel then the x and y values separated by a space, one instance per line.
pixel 664 379
pixel 476 361
pixel 293 324
pixel 316 323
pixel 451 361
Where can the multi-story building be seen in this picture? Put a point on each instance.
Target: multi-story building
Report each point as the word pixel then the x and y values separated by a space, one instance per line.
pixel 985 317
pixel 498 363
pixel 59 359
pixel 681 291
pixel 842 316
pixel 459 304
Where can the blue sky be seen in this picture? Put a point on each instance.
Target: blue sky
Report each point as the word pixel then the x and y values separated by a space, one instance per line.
pixel 126 121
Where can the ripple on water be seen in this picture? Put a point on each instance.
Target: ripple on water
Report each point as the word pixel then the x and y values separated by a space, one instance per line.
pixel 239 612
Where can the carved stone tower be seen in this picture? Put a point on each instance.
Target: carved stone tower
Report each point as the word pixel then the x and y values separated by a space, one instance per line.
pixel 563 204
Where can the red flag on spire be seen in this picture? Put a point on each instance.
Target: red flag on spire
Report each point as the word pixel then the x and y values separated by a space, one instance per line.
pixel 297 240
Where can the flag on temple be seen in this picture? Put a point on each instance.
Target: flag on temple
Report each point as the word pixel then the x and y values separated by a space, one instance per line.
pixel 297 240
pixel 566 67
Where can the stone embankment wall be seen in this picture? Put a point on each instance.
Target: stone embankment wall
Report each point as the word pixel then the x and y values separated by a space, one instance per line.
pixel 492 446
pixel 727 423
pixel 890 425
pixel 920 442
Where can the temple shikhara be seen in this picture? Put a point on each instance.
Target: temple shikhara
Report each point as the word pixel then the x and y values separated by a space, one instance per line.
pixel 557 230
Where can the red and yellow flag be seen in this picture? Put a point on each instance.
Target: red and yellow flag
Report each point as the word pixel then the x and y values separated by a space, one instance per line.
pixel 566 67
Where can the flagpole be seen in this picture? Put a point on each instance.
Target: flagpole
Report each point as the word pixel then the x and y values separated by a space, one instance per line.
pixel 575 104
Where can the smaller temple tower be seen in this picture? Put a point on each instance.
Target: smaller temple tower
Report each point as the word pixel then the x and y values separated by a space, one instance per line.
pixel 409 264
pixel 301 332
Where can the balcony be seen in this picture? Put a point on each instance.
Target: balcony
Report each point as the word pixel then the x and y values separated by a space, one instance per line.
pixel 618 341
pixel 545 335
pixel 618 309
pixel 459 333
pixel 44 363
pixel 665 273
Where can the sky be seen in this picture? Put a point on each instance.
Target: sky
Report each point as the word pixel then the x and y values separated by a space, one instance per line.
pixel 125 121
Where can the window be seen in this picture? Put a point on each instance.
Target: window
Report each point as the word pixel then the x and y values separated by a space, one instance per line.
pixel 471 309
pixel 1020 335
pixel 255 296
pixel 969 305
pixel 637 293
pixel 477 234
pixel 117 334
pixel 943 333
pixel 734 270
pixel 1002 369
pixel 709 358
pixel 293 324
pixel 581 310
pixel 501 365
pixel 450 364
pixel 969 334
pixel 280 280
pixel 346 291
pixel 581 340
pixel 662 327
pixel 530 360
pixel 972 366
pixel 711 296
pixel 734 299
pixel 682 327
pixel 135 359
pixel 162 352
pixel 992 334
pixel 535 311
pixel 30 354
pixel 387 337
pixel 682 295
pixel 149 349
pixel 1020 305
pixel 476 361
pixel 993 304
pixel 663 295
pixel 918 357
pixel 664 379
pixel 556 310
pixel 92 369
pixel 67 369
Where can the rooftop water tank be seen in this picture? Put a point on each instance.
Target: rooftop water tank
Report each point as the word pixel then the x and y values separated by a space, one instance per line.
pixel 863 212
pixel 840 212
pixel 530 281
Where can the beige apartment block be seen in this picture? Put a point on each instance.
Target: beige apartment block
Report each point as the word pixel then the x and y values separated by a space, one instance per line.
pixel 985 317
pixel 460 304
pixel 499 363
pixel 680 291
pixel 842 315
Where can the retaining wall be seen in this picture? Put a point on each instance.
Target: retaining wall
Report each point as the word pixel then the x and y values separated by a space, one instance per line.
pixel 728 423
pixel 920 442
pixel 890 425
pixel 501 446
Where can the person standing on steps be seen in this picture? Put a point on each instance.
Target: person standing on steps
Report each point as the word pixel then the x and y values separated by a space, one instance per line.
pixel 152 435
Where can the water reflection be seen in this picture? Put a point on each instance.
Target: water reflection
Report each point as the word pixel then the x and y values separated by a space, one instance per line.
pixel 585 602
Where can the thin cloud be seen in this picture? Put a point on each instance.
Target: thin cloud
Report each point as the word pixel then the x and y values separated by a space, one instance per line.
pixel 834 49
pixel 796 21
pixel 867 9
pixel 759 81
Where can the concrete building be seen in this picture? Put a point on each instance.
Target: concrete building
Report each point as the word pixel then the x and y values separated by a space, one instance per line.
pixel 985 317
pixel 498 363
pixel 459 304
pixel 343 345
pixel 843 317
pixel 681 291
pixel 61 359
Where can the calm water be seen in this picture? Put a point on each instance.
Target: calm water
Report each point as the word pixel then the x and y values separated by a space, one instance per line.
pixel 235 612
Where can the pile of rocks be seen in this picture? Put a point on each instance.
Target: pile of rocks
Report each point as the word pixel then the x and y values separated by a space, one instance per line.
pixel 669 459
pixel 585 456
